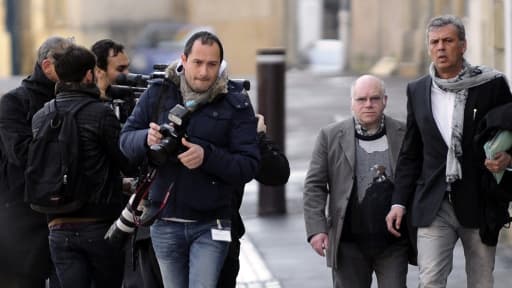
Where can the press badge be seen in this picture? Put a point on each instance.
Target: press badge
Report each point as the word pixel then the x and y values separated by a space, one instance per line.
pixel 220 233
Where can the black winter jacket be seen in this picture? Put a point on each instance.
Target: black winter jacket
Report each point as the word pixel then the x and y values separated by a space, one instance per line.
pixel 495 197
pixel 274 170
pixel 24 234
pixel 17 108
pixel 224 128
pixel 100 155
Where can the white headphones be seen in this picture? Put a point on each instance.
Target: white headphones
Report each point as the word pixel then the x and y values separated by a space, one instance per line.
pixel 179 67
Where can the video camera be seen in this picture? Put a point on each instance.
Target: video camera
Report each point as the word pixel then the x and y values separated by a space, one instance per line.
pixel 141 80
pixel 136 83
pixel 128 88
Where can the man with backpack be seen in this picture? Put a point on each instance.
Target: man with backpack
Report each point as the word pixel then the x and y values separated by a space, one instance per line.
pixel 24 235
pixel 81 256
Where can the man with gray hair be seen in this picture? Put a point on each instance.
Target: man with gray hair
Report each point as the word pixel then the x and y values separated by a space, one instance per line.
pixel 347 193
pixel 440 171
pixel 24 235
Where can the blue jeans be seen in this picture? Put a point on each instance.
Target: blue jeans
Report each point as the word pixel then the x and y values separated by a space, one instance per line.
pixel 186 253
pixel 81 256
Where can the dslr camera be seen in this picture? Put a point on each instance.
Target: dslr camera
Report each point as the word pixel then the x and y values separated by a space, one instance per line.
pixel 170 145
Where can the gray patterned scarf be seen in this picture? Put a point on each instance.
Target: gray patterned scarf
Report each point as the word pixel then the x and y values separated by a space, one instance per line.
pixel 470 76
pixel 361 130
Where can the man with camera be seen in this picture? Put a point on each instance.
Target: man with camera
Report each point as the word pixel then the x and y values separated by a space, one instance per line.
pixel 141 268
pixel 208 152
pixel 111 64
pixel 111 61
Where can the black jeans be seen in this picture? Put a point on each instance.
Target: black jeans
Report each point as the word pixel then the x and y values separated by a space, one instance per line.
pixel 146 272
pixel 229 272
pixel 82 256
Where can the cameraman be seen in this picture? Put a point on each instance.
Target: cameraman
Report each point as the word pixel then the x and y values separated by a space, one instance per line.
pixel 218 155
pixel 112 61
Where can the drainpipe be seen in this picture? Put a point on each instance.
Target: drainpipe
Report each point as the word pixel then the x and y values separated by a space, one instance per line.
pixel 13 28
pixel 508 39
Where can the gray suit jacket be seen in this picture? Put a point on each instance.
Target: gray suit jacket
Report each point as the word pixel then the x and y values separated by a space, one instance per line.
pixel 330 179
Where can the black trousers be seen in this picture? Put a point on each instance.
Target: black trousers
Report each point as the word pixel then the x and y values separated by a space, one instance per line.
pixel 229 272
pixel 146 272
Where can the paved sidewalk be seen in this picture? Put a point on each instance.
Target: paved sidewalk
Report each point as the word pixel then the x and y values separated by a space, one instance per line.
pixel 275 253
pixel 279 247
pixel 274 249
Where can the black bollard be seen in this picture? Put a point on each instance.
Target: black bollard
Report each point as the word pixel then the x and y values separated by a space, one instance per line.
pixel 271 81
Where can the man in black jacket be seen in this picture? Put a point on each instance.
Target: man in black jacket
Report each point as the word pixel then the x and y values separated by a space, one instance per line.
pixel 111 61
pixel 141 268
pixel 82 257
pixel 24 237
pixel 274 170
pixel 438 178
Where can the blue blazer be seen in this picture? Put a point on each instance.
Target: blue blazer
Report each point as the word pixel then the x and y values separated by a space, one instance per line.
pixel 224 128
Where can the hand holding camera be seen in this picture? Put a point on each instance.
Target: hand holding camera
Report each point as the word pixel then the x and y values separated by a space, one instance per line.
pixel 154 135
pixel 165 140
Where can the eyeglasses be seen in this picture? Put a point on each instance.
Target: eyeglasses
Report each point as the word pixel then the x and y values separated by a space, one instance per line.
pixel 372 99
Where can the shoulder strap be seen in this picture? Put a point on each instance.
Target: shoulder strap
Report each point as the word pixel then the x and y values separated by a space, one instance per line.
pixel 158 105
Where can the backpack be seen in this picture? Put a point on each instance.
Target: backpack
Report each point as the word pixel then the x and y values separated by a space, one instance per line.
pixel 54 181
